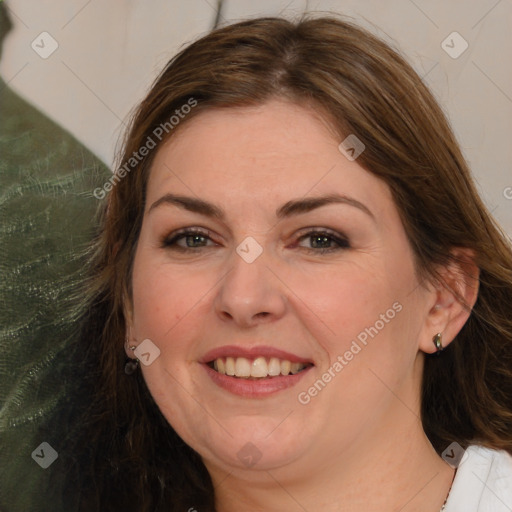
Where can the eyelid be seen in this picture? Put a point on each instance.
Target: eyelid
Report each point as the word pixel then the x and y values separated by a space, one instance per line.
pixel 321 229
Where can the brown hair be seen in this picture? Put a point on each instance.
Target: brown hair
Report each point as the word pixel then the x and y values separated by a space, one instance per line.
pixel 365 88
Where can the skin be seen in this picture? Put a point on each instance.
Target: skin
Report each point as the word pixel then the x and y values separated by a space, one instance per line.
pixel 359 443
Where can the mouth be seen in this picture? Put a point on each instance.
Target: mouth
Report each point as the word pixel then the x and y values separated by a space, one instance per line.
pixel 256 368
pixel 255 372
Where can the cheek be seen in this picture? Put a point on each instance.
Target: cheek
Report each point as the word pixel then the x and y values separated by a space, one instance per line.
pixel 169 308
pixel 345 303
pixel 163 299
pixel 363 319
pixel 336 305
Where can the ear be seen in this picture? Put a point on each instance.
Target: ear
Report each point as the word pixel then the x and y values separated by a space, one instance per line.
pixel 453 297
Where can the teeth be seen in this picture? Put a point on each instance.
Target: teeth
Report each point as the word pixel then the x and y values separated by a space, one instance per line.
pixel 295 368
pixel 230 366
pixel 258 368
pixel 285 367
pixel 242 367
pixel 274 367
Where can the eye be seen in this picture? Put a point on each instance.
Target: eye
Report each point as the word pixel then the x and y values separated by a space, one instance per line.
pixel 315 240
pixel 187 239
pixel 323 241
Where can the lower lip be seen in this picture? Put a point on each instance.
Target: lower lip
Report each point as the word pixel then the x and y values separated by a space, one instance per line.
pixel 255 388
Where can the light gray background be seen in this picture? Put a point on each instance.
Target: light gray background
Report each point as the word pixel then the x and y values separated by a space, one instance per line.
pixel 111 50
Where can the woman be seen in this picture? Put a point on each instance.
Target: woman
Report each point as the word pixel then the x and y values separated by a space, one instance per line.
pixel 313 300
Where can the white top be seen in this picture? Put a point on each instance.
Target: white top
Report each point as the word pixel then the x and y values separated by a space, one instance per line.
pixel 483 482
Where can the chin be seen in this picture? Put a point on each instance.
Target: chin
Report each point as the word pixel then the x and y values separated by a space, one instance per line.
pixel 264 447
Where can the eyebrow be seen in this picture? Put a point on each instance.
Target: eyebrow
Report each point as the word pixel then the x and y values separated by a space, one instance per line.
pixel 290 208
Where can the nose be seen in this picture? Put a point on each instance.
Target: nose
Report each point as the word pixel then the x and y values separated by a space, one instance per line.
pixel 250 293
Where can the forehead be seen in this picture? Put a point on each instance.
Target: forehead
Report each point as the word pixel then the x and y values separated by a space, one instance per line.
pixel 259 154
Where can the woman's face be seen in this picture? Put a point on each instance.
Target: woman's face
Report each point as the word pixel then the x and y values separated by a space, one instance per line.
pixel 264 251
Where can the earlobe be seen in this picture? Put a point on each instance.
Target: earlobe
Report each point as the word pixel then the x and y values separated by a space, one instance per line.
pixel 129 345
pixel 455 294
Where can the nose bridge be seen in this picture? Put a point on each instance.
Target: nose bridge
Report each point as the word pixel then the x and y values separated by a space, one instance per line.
pixel 250 292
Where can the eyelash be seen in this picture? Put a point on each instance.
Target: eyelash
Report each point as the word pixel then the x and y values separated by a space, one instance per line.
pixel 170 242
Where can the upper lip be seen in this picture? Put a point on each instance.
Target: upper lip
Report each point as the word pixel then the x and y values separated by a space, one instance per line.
pixel 252 353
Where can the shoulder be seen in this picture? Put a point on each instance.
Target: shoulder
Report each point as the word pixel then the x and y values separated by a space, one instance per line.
pixel 483 482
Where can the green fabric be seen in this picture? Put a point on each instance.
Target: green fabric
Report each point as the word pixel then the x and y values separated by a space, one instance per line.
pixel 46 222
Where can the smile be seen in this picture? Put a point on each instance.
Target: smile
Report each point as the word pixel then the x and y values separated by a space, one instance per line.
pixel 256 371
pixel 257 368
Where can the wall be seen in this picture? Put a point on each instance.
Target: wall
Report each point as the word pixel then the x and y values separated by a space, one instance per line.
pixel 109 52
